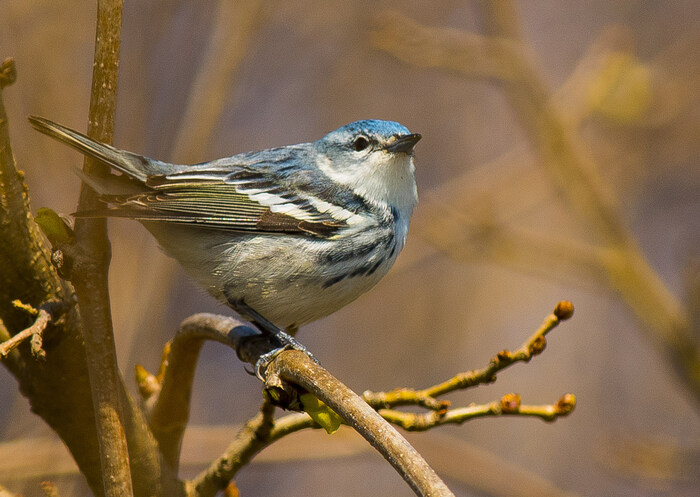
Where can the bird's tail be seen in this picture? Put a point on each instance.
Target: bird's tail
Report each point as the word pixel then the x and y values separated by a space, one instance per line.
pixel 135 166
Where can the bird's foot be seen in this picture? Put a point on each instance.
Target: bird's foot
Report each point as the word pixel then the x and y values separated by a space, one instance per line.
pixel 269 329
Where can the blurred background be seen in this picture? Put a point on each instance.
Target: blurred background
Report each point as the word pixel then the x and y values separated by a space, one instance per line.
pixel 496 241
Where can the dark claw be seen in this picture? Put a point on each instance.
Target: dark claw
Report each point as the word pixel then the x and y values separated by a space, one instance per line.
pixel 284 339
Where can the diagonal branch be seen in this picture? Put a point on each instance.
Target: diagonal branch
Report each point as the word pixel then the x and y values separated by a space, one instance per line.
pixel 288 372
pixel 505 358
pixel 297 368
pixel 35 330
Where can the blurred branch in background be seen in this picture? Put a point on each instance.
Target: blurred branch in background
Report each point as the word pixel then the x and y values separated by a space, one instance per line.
pixel 235 26
pixel 460 461
pixel 613 255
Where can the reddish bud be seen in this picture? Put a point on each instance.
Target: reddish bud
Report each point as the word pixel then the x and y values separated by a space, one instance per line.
pixel 538 345
pixel 565 404
pixel 564 310
pixel 510 403
pixel 504 355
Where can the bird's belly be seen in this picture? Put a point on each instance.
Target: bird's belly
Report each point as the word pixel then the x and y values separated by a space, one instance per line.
pixel 291 285
pixel 288 280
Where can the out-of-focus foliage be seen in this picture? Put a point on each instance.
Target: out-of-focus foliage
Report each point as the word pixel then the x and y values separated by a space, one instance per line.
pixel 290 72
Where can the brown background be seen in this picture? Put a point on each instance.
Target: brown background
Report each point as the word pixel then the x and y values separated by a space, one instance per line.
pixel 302 68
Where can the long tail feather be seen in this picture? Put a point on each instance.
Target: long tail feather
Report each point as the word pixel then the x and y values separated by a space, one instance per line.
pixel 133 165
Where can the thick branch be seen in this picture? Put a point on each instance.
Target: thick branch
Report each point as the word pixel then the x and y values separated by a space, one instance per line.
pixel 288 368
pixel 62 400
pixel 25 262
pixel 297 368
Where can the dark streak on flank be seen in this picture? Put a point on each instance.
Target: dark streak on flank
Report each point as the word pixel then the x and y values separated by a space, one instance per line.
pixel 333 281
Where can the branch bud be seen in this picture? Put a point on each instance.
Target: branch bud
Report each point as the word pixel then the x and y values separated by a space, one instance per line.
pixel 510 403
pixel 565 404
pixel 564 310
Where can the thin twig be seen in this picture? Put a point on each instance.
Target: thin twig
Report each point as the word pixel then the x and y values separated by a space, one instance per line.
pixel 426 398
pixel 508 405
pixel 50 489
pixel 36 329
pixel 255 435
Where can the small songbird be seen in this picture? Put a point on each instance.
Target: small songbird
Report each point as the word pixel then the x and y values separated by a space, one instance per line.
pixel 294 233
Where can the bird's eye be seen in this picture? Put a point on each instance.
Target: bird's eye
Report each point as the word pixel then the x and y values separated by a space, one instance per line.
pixel 360 143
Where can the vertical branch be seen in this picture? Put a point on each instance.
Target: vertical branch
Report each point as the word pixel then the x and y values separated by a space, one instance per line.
pixel 91 264
pixel 24 258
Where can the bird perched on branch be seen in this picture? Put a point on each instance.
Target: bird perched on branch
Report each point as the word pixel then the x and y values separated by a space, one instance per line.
pixel 290 234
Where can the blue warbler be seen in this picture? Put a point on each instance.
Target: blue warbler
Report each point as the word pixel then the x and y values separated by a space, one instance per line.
pixel 292 233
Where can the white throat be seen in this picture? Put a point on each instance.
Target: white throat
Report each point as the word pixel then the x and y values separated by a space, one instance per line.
pixel 383 180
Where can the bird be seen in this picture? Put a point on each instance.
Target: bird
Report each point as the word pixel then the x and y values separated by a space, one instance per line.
pixel 286 235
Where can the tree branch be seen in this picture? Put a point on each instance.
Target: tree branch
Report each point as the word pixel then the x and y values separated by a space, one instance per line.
pixel 255 435
pixel 534 345
pixel 288 372
pixel 297 368
pixel 34 333
pixel 509 404
pixel 170 406
pixel 576 176
pixel 90 261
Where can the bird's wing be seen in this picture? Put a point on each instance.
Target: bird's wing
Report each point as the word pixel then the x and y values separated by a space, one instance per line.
pixel 234 198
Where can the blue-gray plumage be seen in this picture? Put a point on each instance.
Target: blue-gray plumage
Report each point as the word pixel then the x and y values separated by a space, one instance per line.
pixel 295 232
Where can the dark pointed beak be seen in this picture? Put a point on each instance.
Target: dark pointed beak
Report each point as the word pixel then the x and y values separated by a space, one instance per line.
pixel 404 143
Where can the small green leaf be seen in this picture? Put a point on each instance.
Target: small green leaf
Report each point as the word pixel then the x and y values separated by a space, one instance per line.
pixel 321 413
pixel 55 228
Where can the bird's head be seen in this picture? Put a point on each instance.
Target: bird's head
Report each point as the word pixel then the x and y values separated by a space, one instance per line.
pixel 375 159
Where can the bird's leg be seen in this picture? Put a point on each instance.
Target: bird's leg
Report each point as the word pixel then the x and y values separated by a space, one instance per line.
pixel 266 327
